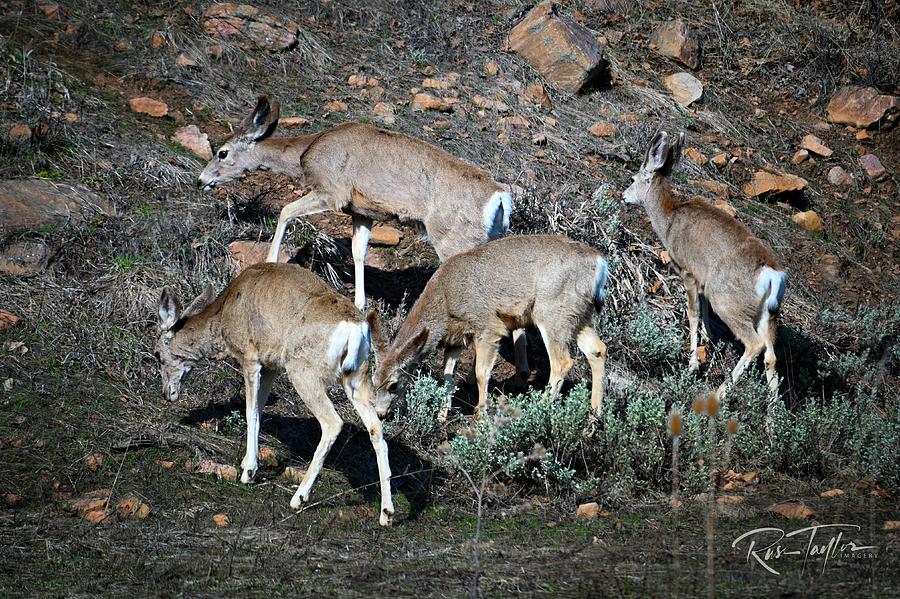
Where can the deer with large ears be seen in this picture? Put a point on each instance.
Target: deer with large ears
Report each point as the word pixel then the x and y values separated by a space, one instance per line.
pixel 371 174
pixel 717 256
pixel 273 317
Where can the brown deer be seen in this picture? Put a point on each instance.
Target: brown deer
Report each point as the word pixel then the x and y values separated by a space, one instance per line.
pixel 480 295
pixel 372 174
pixel 717 257
pixel 271 317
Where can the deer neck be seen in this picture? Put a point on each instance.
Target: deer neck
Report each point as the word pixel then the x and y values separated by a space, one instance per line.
pixel 282 154
pixel 201 337
pixel 428 314
pixel 660 207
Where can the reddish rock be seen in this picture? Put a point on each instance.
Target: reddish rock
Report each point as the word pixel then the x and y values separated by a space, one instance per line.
pixel 696 156
pixel 815 145
pixel 765 182
pixel 587 511
pixel 292 122
pixel 424 101
pixel 809 220
pixel 862 107
pixel 716 188
pixel 22 132
pixel 676 40
pixel 149 106
pixel 838 176
pixel 685 88
pixel 385 113
pixel 601 129
pixel 248 27
pixel 184 60
pixel 385 235
pixel 799 157
pixel 873 167
pixel 157 40
pixel 795 510
pixel 294 474
pixel 221 520
pixel 267 457
pixel 7 320
pixel 536 93
pixel 831 493
pixel 720 160
pixel 51 10
pixel 191 138
pixel 221 471
pixel 490 68
pixel 336 106
pixel 563 51
pixel 248 253
pixel 513 123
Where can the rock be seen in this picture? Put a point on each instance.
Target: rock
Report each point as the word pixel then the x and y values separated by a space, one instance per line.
pixel 720 160
pixel 539 139
pixel 513 123
pixel 12 499
pixel 809 220
pixel 96 516
pixel 728 209
pixel 122 46
pixel 267 457
pixel 838 176
pixel 795 510
pixel 799 157
pixel 814 144
pixel 490 68
pixel 7 320
pixel 248 27
pixel 536 93
pixel 676 40
pixel 765 182
pixel 442 83
pixel 33 203
pixel 24 257
pixel 601 129
pixel 143 511
pixel 187 61
pixel 221 471
pixel 292 122
pixel 157 40
pixel 91 505
pixel 563 51
pixel 729 499
pixel 127 507
pixel 93 461
pixel 862 107
pixel 483 102
pixel 20 132
pixel 891 525
pixel 167 464
pixel 294 474
pixel 862 134
pixel 685 88
pixel 221 520
pixel 248 253
pixel 71 117
pixel 423 101
pixel 357 80
pixel 51 10
pixel 831 493
pixel 720 190
pixel 695 156
pixel 144 105
pixel 385 235
pixel 191 138
pixel 873 167
pixel 336 106
pixel 385 113
pixel 587 511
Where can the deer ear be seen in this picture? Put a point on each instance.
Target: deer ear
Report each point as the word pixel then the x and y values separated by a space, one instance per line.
pixel 262 121
pixel 675 153
pixel 412 351
pixel 379 343
pixel 657 152
pixel 200 302
pixel 168 309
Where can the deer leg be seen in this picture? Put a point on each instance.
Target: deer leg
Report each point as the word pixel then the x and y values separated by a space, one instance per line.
pixel 485 355
pixel 251 391
pixel 560 361
pixel 362 401
pixel 362 231
pixel 693 314
pixel 750 353
pixel 520 346
pixel 595 351
pixel 316 399
pixel 451 357
pixel 771 374
pixel 314 201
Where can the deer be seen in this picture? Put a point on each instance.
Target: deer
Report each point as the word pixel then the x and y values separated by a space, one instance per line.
pixel 477 297
pixel 372 174
pixel 274 317
pixel 717 257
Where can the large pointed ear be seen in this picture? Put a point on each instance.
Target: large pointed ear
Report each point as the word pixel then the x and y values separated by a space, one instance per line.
pixel 169 309
pixel 379 343
pixel 200 302
pixel 674 156
pixel 412 351
pixel 657 152
pixel 262 121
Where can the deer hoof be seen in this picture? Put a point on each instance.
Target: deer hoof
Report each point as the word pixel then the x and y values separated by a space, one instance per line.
pixel 247 475
pixel 387 517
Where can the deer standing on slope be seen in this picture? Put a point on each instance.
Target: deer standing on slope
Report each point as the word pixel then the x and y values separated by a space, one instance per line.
pixel 274 316
pixel 717 257
pixel 480 295
pixel 372 174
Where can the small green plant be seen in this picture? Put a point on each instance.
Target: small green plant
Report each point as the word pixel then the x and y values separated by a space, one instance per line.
pixel 125 262
pixel 234 422
pixel 417 415
pixel 48 174
pixel 655 343
pixel 419 57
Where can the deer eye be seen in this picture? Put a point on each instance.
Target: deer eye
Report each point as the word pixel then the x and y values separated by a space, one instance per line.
pixel 156 355
pixel 392 388
pixel 223 154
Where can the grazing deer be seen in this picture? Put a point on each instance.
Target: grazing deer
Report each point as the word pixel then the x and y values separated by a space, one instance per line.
pixel 275 316
pixel 372 174
pixel 717 257
pixel 481 295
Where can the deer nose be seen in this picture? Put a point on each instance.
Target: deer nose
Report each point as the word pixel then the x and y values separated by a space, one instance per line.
pixel 199 183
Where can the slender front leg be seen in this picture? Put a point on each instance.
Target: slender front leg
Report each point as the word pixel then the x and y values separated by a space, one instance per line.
pixel 693 313
pixel 321 407
pixel 560 361
pixel 314 201
pixel 595 351
pixel 361 400
pixel 451 357
pixel 251 390
pixel 485 355
pixel 362 231
pixel 520 348
pixel 771 373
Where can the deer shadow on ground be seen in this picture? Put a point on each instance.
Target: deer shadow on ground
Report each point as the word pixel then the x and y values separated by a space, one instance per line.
pixel 352 454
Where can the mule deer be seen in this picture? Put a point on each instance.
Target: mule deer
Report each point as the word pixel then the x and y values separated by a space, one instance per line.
pixel 717 257
pixel 372 174
pixel 275 316
pixel 480 295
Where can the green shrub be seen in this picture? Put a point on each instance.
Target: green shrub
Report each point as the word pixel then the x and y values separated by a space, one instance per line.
pixel 655 342
pixel 416 416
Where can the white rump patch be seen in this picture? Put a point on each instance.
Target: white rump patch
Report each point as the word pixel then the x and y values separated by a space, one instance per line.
pixel 495 214
pixel 600 276
pixel 770 286
pixel 353 341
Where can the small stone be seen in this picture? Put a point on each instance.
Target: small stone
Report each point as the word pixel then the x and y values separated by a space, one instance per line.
pixel 167 464
pixel 539 139
pixel 385 113
pixel 221 471
pixel 51 10
pixel 336 106
pixel 157 40
pixel 535 92
pixel 716 188
pixel 809 220
pixel 267 457
pixel 221 520
pixel 292 122
pixel 676 40
pixel 729 499
pixel 423 101
pixel 815 145
pixel 601 129
pixel 838 176
pixel 765 182
pixel 800 156
pixel 891 525
pixel 71 117
pixel 513 123
pixel 686 89
pixel 873 167
pixel 249 27
pixel 122 46
pixel 183 60
pixel 357 80
pixel 831 493
pixel 193 139
pixel 294 474
pixel 720 160
pixel 127 507
pixel 93 461
pixel 144 105
pixel 385 235
pixel 490 68
pixel 20 132
pixel 143 511
pixel 7 320
pixel 795 510
pixel 695 156
pixel 862 135
pixel 247 253
pixel 587 511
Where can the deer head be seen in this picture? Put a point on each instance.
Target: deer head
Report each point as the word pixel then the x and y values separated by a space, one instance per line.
pixel 390 364
pixel 659 161
pixel 177 350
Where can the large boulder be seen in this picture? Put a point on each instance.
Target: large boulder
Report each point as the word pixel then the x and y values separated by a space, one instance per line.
pixel 862 107
pixel 32 203
pixel 676 40
pixel 563 51
pixel 248 27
